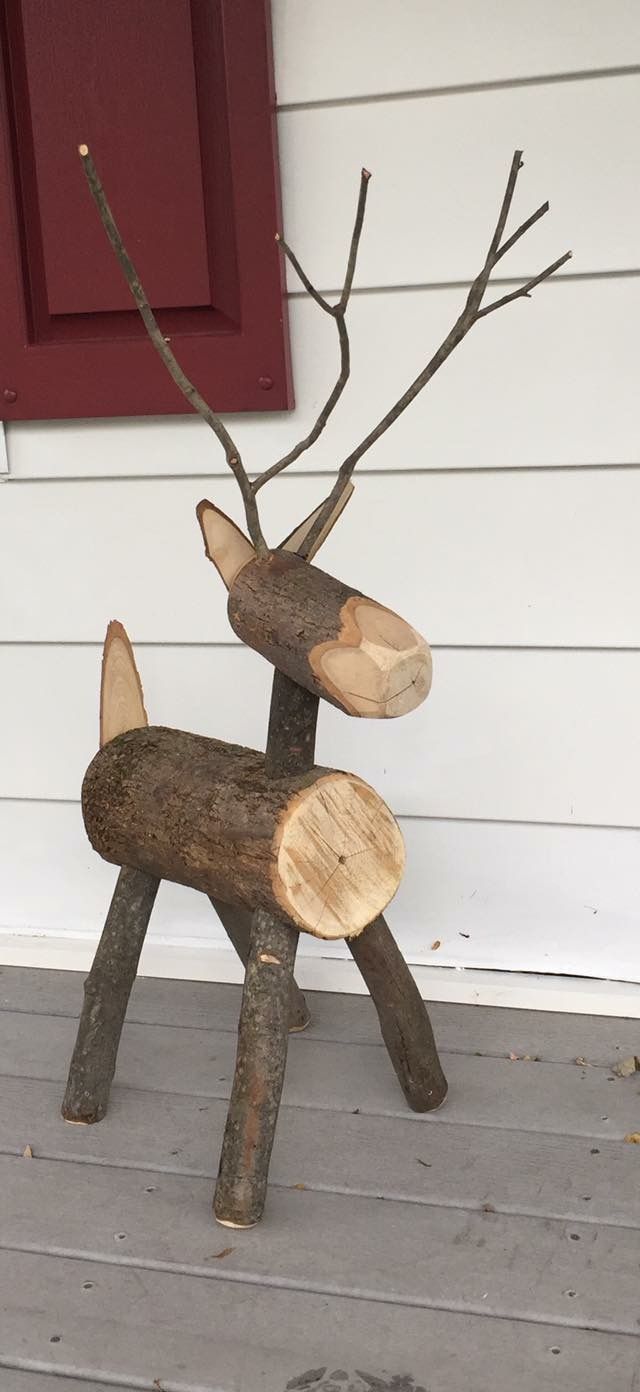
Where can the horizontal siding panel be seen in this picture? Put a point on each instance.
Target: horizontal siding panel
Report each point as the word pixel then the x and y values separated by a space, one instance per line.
pixel 491 559
pixel 531 898
pixel 324 52
pixel 548 381
pixel 530 736
pixel 440 169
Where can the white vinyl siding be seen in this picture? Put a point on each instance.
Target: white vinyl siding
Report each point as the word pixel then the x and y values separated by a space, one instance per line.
pixel 500 515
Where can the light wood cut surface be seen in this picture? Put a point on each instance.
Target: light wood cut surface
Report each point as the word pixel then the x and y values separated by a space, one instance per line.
pixel 121 696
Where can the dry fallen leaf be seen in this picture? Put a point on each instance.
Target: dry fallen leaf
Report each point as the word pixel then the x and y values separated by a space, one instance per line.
pixel 299 1186
pixel 633 1137
pixel 488 1208
pixel 217 1256
pixel 435 945
pixel 583 1062
pixel 626 1067
pixel 27 1153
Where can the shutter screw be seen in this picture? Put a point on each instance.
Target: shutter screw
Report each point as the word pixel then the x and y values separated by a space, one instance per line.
pixel 265 383
pixel 10 395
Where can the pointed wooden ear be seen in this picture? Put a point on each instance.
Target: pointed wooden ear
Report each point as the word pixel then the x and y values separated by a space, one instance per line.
pixel 121 696
pixel 224 543
pixel 295 538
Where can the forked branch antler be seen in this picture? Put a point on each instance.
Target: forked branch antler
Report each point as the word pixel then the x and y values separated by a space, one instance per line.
pixel 469 316
pixel 338 312
pixel 472 311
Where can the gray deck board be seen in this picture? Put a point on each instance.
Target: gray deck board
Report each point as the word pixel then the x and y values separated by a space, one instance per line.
pixel 453 1165
pixel 347 1019
pixel 200 1336
pixel 551 1097
pixel 434 1257
pixel 452 1275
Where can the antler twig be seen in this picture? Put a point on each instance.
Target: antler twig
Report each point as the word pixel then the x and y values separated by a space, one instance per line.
pixel 471 312
pixel 338 312
pixel 169 359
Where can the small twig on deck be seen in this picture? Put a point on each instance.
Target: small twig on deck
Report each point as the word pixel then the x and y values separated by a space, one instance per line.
pixel 338 312
pixel 470 314
pixel 169 359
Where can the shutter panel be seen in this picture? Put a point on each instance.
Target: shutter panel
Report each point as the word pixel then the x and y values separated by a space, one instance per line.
pixel 175 100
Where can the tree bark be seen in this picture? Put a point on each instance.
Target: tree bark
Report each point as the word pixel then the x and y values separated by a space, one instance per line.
pixel 319 848
pixel 237 926
pixel 106 996
pixel 264 1015
pixel 329 638
pixel 404 1019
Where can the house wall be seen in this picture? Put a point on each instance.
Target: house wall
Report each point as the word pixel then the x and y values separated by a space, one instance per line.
pixel 500 514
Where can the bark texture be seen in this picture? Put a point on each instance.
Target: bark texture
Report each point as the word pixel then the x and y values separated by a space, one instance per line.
pixel 237 926
pixel 106 996
pixel 404 1019
pixel 265 1012
pixel 329 638
pixel 259 1073
pixel 318 847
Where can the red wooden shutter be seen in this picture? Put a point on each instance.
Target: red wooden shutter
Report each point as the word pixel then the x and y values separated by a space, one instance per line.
pixel 175 100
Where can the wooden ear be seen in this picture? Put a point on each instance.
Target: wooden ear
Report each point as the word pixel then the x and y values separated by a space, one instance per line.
pixel 295 538
pixel 224 543
pixel 121 696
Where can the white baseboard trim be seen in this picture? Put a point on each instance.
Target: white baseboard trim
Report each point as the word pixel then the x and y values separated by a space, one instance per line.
pixel 193 960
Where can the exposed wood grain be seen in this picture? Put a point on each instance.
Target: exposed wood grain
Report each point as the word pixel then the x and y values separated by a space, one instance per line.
pixel 489 875
pixel 297 536
pixel 224 543
pixel 121 695
pixel 320 848
pixel 330 638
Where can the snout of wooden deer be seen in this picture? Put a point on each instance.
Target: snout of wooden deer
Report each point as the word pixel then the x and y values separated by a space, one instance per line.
pixel 329 638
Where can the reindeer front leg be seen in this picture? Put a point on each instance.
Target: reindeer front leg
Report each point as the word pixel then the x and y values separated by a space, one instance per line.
pixel 106 996
pixel 265 1013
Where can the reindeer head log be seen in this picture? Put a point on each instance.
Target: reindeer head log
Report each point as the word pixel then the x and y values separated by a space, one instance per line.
pixel 329 638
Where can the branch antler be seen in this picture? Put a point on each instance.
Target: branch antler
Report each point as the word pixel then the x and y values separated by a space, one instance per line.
pixel 470 314
pixel 232 453
pixel 313 531
pixel 338 312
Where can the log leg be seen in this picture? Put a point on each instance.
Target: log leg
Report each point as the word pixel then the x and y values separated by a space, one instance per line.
pixel 404 1019
pixel 264 1014
pixel 106 996
pixel 237 925
pixel 259 1073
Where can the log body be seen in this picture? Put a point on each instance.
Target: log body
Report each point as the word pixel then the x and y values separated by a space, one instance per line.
pixel 320 848
pixel 329 638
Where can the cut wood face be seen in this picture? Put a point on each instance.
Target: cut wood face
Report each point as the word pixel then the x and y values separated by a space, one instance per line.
pixel 224 543
pixel 379 667
pixel 340 857
pixel 329 638
pixel 121 697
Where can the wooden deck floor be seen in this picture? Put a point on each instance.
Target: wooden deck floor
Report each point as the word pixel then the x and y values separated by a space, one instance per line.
pixel 491 1247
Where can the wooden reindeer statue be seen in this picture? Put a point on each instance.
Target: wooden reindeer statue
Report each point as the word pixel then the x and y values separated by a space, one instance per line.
pixel 279 845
